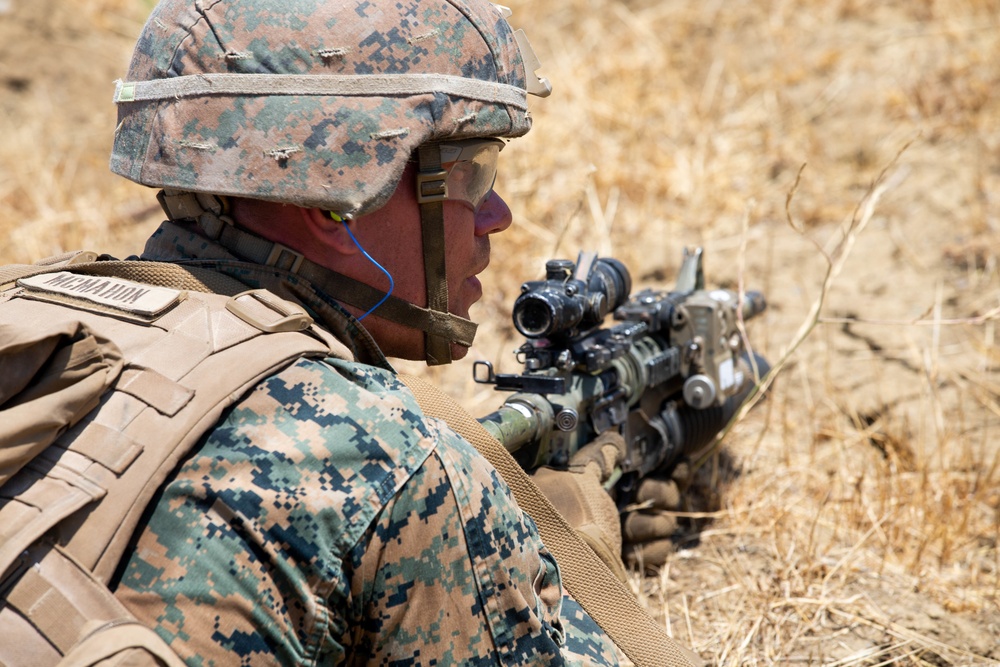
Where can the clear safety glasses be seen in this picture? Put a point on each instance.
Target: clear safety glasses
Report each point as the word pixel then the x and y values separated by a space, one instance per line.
pixel 468 173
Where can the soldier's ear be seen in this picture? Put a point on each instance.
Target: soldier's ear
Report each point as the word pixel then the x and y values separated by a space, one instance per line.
pixel 331 230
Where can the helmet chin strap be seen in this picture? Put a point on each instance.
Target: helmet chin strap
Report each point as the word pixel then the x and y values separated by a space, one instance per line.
pixel 430 195
pixel 435 321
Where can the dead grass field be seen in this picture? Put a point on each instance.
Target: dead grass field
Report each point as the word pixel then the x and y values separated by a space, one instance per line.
pixel 857 510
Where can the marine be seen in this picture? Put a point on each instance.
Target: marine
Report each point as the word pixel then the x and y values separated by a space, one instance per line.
pixel 338 161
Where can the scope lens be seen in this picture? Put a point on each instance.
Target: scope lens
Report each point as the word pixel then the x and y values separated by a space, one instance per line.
pixel 560 306
pixel 533 316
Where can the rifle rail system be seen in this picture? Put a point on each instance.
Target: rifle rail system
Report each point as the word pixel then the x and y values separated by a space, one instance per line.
pixel 668 375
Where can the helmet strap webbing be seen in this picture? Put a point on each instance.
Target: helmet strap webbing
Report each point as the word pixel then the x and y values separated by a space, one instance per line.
pixel 437 349
pixel 208 211
pixel 448 327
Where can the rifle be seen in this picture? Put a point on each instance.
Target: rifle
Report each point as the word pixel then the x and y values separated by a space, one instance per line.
pixel 668 376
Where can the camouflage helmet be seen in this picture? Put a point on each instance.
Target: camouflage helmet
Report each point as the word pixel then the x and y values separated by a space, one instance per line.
pixel 311 102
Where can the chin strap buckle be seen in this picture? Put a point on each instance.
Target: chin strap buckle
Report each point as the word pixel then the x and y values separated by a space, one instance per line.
pixel 432 186
pixel 284 258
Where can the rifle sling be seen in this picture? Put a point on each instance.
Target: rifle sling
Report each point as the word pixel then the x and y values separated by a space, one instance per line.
pixel 585 576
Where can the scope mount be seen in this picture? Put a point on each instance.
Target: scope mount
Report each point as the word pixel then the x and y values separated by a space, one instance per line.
pixel 530 384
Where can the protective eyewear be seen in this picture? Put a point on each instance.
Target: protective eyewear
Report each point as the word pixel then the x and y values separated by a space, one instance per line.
pixel 468 173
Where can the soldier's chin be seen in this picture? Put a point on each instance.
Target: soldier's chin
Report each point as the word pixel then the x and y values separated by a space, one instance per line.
pixel 458 351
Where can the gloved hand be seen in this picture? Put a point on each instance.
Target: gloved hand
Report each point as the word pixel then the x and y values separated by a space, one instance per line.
pixel 649 524
pixel 578 493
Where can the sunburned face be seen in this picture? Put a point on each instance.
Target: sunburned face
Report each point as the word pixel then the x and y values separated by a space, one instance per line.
pixel 392 235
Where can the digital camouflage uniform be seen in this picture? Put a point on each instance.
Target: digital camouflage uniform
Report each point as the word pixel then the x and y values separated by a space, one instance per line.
pixel 325 520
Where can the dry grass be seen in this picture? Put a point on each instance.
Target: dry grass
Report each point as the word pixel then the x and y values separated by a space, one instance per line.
pixel 858 508
pixel 58 61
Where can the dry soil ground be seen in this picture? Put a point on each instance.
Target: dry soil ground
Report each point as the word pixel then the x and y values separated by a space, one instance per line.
pixel 855 514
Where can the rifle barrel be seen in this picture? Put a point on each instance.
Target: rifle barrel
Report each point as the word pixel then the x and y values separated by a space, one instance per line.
pixel 522 419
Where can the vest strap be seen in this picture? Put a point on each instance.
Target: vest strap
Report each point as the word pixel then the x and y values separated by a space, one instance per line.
pixel 586 577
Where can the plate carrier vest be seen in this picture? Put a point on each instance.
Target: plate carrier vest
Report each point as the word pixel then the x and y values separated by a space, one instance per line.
pixel 110 373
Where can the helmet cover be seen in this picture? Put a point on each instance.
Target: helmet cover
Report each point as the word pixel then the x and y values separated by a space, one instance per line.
pixel 311 102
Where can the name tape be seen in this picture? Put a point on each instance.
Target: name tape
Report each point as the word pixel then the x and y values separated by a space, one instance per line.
pixel 146 300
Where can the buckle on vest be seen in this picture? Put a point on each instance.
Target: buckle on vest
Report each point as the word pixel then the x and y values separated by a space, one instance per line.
pixel 267 312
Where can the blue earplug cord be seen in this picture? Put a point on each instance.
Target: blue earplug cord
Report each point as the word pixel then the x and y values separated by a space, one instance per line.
pixel 364 252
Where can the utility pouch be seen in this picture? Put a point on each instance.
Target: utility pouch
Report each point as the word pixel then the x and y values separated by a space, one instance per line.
pixel 51 375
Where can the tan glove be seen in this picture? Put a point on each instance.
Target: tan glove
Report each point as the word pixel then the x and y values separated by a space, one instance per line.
pixel 578 493
pixel 649 523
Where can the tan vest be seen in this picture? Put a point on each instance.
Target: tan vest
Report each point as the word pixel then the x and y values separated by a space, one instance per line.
pixel 110 373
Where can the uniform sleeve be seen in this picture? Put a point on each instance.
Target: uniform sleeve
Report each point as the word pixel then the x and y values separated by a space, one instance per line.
pixel 240 558
pixel 327 521
pixel 452 572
